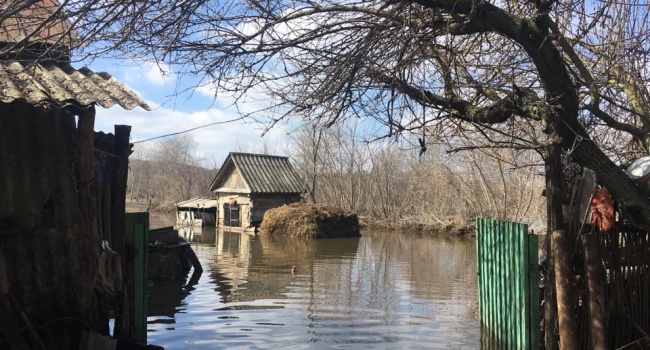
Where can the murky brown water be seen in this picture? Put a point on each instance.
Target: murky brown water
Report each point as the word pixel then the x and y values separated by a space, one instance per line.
pixel 382 291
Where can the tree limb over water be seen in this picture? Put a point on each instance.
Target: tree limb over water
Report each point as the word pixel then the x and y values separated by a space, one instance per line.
pixel 525 72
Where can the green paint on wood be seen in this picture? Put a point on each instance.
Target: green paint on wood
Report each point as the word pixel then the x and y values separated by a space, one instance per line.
pixel 507 283
pixel 138 224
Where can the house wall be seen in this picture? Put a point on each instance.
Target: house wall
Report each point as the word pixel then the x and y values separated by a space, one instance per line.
pixel 244 204
pixel 252 208
pixel 234 180
pixel 189 216
pixel 262 203
pixel 49 245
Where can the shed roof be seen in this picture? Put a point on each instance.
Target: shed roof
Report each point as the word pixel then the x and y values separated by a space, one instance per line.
pixel 62 85
pixel 198 202
pixel 262 173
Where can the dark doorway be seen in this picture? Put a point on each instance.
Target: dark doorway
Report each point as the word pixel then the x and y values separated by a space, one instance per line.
pixel 231 215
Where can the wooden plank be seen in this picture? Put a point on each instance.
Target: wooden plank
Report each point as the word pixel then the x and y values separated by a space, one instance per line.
pixel 140 282
pixel 568 329
pixel 118 235
pixel 124 324
pixel 595 275
pixel 554 178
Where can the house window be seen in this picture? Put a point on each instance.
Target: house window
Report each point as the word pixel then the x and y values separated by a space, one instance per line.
pixel 231 215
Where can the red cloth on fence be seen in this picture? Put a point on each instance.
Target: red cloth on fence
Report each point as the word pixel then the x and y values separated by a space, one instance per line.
pixel 602 210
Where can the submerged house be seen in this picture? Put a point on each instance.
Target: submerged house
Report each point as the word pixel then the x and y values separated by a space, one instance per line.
pixel 198 211
pixel 247 185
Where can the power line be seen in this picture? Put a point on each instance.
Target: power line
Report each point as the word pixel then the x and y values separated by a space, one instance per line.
pixel 188 130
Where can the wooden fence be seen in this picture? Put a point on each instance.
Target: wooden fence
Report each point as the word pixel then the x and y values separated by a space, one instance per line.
pixel 508 285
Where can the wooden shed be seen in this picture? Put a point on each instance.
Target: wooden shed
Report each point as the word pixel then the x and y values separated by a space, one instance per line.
pixel 53 179
pixel 198 211
pixel 247 185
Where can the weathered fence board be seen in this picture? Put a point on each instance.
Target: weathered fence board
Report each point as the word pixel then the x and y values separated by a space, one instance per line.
pixel 508 284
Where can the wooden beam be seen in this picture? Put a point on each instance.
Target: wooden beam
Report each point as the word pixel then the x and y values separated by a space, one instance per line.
pixel 567 326
pixel 595 275
pixel 121 149
pixel 553 172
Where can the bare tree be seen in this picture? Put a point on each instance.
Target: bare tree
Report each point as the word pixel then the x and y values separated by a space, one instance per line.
pixel 535 72
pixel 176 171
pixel 307 155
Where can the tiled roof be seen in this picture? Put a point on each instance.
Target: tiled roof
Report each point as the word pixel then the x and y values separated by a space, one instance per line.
pixel 262 173
pixel 62 85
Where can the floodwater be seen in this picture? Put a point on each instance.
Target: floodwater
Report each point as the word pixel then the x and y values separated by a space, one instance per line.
pixel 381 291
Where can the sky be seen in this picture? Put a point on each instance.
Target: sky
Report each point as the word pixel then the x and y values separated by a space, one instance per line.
pixel 192 107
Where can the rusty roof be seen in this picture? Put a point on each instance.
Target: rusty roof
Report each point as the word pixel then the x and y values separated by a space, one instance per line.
pixel 62 85
pixel 262 173
pixel 42 21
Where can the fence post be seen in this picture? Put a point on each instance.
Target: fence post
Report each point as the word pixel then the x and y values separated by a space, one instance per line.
pixel 561 250
pixel 135 276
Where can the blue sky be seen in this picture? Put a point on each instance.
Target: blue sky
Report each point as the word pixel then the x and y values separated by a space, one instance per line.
pixel 192 107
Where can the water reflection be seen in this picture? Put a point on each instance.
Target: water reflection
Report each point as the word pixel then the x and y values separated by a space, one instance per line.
pixel 197 234
pixel 382 290
pixel 168 295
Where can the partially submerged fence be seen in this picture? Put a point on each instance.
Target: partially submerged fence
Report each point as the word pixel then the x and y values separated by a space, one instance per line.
pixel 508 284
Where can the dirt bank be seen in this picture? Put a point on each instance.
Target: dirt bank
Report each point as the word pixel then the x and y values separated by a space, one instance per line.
pixel 452 230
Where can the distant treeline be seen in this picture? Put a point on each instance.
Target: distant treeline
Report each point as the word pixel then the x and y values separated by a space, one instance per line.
pixel 384 183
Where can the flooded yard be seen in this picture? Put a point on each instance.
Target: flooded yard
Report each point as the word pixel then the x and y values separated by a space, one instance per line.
pixel 381 291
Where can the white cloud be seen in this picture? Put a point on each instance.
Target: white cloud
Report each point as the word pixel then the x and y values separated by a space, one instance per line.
pixel 139 73
pixel 158 74
pixel 214 142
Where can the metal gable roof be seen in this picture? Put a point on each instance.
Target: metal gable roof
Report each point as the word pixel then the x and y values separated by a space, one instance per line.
pixel 62 85
pixel 262 173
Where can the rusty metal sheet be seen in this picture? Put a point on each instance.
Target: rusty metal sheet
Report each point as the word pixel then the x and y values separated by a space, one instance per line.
pixel 62 85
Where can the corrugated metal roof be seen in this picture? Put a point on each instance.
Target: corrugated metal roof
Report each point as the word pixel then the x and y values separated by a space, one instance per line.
pixel 198 202
pixel 262 173
pixel 62 85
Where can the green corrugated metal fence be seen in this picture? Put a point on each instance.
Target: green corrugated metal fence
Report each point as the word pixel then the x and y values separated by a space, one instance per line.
pixel 508 284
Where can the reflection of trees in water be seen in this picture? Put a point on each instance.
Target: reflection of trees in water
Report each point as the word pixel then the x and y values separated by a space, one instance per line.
pixel 370 273
pixel 446 265
pixel 248 269
pixel 388 264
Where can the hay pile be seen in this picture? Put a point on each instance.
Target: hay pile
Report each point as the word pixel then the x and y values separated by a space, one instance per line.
pixel 309 221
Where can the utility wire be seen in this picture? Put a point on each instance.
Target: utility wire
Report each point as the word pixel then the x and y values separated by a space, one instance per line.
pixel 188 130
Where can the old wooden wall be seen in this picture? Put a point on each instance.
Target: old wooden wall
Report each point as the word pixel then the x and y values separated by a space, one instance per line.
pixel 48 237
